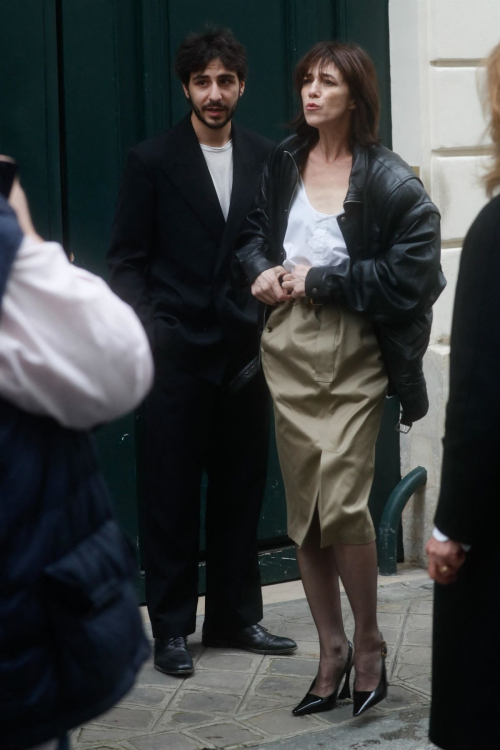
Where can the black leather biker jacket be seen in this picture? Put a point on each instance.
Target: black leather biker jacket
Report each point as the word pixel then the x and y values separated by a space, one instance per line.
pixel 393 274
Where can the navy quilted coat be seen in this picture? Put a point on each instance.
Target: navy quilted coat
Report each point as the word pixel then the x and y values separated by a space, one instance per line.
pixel 71 638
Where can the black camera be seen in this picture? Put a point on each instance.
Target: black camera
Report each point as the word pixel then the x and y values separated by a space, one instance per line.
pixel 8 170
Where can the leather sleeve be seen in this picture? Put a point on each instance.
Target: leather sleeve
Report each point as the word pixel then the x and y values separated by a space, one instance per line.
pixel 468 503
pixel 253 244
pixel 131 239
pixel 400 282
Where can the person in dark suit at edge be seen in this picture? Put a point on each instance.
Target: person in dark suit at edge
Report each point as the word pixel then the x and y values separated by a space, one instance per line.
pixel 183 199
pixel 464 551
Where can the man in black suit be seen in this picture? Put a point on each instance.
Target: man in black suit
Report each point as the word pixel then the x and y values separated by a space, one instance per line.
pixel 183 199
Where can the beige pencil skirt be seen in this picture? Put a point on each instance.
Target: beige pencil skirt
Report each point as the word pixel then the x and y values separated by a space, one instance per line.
pixel 324 369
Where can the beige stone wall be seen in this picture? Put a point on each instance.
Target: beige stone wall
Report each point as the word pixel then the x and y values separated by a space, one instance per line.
pixel 438 124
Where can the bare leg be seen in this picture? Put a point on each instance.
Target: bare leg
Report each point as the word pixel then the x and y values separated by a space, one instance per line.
pixel 357 566
pixel 321 584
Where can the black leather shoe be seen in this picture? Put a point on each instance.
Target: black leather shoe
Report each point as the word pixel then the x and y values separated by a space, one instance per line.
pixel 313 704
pixel 172 656
pixel 365 699
pixel 255 638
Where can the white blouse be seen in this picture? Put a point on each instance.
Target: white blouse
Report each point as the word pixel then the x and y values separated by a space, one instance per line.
pixel 312 238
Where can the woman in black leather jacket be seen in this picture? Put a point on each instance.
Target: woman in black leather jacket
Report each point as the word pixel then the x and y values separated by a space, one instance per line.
pixel 344 244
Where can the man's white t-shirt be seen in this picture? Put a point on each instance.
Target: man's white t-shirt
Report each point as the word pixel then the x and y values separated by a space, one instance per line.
pixel 220 165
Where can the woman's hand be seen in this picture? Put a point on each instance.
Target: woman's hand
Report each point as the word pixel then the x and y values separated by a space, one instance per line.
pixel 267 287
pixel 295 283
pixel 445 560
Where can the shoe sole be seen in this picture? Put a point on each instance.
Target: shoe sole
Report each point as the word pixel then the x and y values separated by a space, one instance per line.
pixel 176 673
pixel 319 710
pixel 264 652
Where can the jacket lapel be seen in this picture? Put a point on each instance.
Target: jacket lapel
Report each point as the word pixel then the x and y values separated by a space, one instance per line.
pixel 191 177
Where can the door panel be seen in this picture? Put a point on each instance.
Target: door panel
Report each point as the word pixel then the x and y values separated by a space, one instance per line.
pixel 29 106
pixel 103 117
pixel 367 23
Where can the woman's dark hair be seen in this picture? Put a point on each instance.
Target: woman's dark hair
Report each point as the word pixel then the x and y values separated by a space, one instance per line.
pixel 358 71
pixel 199 49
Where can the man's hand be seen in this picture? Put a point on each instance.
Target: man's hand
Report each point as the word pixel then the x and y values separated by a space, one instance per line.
pixel 267 287
pixel 295 283
pixel 445 560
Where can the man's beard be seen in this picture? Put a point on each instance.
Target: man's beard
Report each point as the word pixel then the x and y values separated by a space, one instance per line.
pixel 214 125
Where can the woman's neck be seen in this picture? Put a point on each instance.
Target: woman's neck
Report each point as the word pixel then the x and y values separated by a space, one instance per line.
pixel 333 145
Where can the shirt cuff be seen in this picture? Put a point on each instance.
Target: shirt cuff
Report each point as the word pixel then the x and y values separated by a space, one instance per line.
pixel 440 536
pixel 443 538
pixel 314 283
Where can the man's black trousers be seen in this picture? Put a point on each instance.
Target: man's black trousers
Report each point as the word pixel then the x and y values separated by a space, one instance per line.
pixel 191 425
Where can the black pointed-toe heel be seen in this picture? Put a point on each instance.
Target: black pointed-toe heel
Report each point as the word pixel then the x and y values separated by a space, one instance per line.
pixel 313 704
pixel 365 699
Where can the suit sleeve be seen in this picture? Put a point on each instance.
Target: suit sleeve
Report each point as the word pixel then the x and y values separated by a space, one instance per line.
pixel 400 281
pixel 469 482
pixel 131 239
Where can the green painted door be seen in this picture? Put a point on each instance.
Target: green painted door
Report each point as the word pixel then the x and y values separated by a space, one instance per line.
pixel 29 105
pixel 83 80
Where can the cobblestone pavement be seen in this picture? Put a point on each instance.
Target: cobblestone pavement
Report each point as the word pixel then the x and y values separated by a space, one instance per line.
pixel 236 699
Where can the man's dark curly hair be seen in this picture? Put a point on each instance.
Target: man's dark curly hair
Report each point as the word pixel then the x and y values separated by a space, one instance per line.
pixel 199 49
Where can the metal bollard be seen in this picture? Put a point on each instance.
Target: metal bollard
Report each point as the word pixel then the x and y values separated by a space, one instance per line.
pixel 391 518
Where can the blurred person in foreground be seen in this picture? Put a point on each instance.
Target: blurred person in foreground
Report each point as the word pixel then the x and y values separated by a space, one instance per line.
pixel 72 356
pixel 349 231
pixel 464 551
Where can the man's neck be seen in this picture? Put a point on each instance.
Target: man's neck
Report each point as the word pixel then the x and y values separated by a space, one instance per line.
pixel 210 136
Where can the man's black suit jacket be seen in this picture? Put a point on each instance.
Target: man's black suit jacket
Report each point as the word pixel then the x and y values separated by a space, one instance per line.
pixel 171 248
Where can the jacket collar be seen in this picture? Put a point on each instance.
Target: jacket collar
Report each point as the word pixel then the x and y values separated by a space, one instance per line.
pixel 299 147
pixel 188 147
pixel 188 171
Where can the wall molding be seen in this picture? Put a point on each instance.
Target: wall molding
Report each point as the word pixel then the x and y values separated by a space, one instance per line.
pixel 464 151
pixel 453 244
pixel 458 63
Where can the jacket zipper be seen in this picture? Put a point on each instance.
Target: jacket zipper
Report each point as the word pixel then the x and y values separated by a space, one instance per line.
pixel 297 182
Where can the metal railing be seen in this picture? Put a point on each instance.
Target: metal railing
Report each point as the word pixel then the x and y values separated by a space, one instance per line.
pixel 391 518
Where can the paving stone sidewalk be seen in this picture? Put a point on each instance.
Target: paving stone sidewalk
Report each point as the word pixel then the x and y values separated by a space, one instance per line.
pixel 236 699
